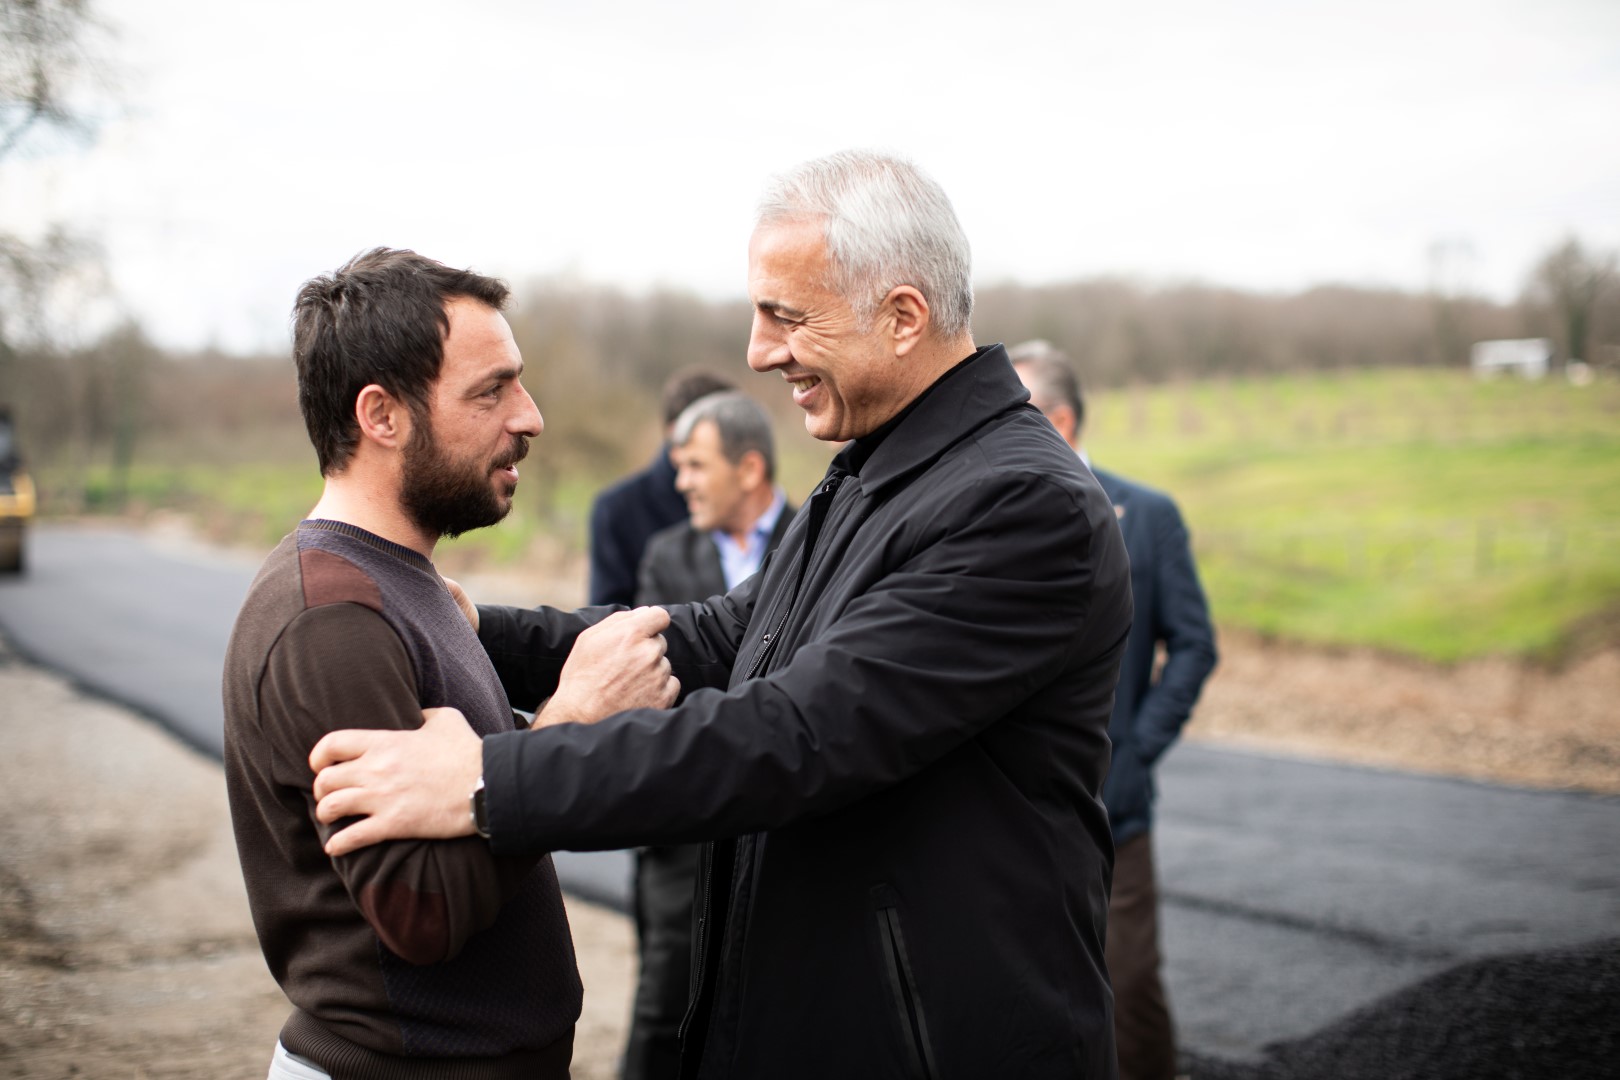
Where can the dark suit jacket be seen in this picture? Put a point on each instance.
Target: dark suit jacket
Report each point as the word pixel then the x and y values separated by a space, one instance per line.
pixel 682 564
pixel 623 518
pixel 1170 608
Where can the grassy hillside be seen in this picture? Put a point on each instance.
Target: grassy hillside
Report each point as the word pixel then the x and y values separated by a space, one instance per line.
pixel 1421 512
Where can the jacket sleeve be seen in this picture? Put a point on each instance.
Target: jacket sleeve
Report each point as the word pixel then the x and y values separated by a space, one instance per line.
pixel 1180 619
pixel 342 665
pixel 983 611
pixel 529 646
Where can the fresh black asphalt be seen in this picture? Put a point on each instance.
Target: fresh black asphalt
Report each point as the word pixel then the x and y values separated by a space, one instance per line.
pixel 1320 920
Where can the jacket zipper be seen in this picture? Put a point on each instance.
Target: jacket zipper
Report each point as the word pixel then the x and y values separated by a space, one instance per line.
pixel 700 936
pixel 818 516
pixel 700 940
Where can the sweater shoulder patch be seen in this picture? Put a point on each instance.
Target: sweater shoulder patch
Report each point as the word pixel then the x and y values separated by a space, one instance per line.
pixel 332 579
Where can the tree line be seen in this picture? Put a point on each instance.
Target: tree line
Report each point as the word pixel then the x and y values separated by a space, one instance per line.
pixel 598 354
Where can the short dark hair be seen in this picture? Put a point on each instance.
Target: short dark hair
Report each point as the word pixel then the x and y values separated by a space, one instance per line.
pixel 1054 378
pixel 741 421
pixel 379 318
pixel 686 386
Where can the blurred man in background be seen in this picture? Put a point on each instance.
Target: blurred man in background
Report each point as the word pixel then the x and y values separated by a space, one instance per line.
pixel 625 515
pixel 1148 715
pixel 725 466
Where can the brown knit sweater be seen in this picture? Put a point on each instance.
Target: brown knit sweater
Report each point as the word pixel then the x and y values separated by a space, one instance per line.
pixel 408 958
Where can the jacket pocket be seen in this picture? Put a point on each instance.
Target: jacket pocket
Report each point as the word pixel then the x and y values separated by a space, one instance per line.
pixel 902 982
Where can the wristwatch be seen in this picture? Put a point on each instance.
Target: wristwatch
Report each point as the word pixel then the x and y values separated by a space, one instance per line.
pixel 480 810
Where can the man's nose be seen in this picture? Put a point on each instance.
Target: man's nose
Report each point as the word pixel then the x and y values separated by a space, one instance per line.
pixel 527 420
pixel 767 348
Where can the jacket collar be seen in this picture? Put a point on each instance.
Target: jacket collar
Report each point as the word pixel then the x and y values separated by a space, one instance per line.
pixel 960 402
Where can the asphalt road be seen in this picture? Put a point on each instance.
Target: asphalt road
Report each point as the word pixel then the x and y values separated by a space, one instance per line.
pixel 1298 894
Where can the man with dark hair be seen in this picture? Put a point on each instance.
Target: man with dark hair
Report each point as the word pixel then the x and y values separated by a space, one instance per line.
pixel 725 466
pixel 408 959
pixel 1148 715
pixel 625 516
pixel 894 735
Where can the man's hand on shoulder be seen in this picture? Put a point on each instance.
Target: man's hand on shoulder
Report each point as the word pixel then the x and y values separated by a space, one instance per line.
pixel 615 665
pixel 401 784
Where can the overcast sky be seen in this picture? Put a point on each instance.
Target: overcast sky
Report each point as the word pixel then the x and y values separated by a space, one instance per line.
pixel 1260 144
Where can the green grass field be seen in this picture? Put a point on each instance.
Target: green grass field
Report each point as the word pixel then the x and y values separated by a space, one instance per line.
pixel 1420 512
pixel 1423 513
pixel 257 503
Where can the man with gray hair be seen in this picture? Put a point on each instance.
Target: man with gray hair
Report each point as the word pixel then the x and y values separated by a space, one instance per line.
pixel 626 514
pixel 725 466
pixel 894 736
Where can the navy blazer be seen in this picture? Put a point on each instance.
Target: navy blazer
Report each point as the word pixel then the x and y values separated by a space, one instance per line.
pixel 1170 608
pixel 623 518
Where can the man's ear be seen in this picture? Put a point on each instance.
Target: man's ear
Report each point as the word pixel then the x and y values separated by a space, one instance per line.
pixel 908 317
pixel 383 418
pixel 751 470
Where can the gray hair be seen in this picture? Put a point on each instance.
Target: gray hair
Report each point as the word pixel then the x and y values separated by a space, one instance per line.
pixel 1055 382
pixel 741 422
pixel 886 223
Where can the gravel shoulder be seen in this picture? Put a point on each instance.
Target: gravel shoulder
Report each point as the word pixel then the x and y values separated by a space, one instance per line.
pixel 1494 719
pixel 126 948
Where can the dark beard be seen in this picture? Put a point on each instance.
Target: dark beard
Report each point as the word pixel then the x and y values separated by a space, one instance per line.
pixel 447 497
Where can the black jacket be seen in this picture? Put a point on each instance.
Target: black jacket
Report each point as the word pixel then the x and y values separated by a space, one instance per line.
pixel 910 758
pixel 1170 609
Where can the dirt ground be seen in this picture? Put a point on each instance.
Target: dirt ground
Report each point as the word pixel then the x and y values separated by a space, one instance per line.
pixel 126 948
pixel 1494 720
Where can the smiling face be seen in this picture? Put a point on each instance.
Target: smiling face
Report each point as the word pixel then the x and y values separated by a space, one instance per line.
pixel 460 467
pixel 847 378
pixel 718 491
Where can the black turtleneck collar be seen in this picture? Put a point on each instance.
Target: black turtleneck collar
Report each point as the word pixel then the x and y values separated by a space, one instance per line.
pixel 858 451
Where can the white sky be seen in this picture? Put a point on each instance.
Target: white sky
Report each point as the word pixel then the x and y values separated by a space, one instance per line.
pixel 1260 144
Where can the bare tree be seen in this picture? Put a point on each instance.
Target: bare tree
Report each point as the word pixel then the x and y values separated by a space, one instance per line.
pixel 53 61
pixel 43 57
pixel 1568 283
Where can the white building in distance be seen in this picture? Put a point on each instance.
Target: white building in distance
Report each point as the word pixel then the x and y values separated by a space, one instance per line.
pixel 1526 357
